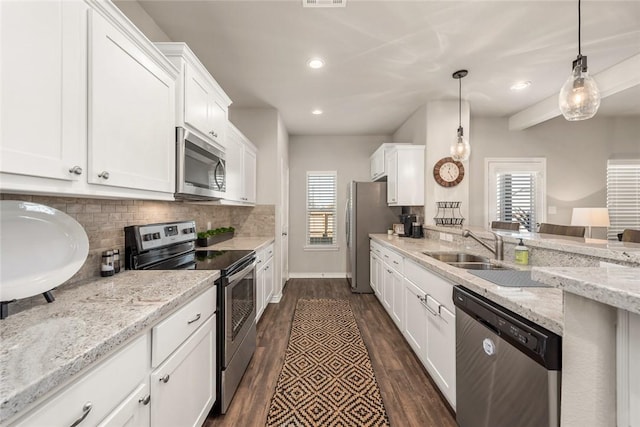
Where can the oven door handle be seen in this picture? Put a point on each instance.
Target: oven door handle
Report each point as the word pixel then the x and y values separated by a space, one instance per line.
pixel 242 273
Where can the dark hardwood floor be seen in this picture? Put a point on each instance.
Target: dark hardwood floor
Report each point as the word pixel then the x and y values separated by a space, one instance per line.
pixel 409 396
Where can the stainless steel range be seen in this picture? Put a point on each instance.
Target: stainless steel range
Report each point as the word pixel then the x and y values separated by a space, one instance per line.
pixel 171 246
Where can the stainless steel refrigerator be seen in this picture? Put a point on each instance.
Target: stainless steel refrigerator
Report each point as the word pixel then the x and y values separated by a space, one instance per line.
pixel 366 212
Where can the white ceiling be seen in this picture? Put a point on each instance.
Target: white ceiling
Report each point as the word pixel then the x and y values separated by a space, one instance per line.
pixel 385 59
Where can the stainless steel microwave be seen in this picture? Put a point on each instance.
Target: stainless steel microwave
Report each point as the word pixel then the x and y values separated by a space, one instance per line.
pixel 200 168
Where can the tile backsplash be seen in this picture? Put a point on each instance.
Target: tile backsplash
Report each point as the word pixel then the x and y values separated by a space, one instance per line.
pixel 104 220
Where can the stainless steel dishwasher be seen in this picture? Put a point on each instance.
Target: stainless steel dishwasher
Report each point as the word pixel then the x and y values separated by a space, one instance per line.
pixel 507 368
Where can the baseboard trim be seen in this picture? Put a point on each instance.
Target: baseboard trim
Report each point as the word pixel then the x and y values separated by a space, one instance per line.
pixel 317 275
pixel 275 299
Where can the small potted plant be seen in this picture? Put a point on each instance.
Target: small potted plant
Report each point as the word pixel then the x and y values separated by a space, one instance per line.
pixel 210 237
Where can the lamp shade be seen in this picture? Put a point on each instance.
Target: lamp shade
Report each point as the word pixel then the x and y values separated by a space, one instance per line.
pixel 591 217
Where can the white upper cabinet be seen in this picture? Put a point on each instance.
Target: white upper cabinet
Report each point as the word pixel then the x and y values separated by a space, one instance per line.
pixel 42 84
pixel 202 105
pixel 241 167
pixel 131 113
pixel 405 175
pixel 378 161
pixel 87 104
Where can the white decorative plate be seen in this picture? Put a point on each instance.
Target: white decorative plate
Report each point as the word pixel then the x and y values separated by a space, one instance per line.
pixel 40 248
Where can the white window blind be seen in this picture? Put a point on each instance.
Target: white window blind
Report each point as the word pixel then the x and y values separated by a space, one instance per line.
pixel 516 190
pixel 623 195
pixel 516 199
pixel 321 208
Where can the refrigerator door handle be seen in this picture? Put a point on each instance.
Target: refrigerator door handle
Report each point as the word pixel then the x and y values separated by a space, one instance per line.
pixel 347 223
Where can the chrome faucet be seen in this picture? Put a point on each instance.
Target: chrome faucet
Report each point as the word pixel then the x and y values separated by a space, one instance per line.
pixel 498 247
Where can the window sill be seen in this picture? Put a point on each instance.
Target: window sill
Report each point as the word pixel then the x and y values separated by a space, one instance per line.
pixel 321 248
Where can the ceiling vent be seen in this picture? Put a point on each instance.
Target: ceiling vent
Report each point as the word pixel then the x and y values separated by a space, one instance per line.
pixel 324 3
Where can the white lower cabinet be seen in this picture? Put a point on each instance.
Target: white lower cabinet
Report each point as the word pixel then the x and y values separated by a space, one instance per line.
pixel 265 279
pixel 420 303
pixel 100 392
pixel 125 390
pixel 183 387
pixel 375 274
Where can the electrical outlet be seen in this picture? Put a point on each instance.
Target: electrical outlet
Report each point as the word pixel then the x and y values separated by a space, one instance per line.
pixel 208 225
pixel 446 237
pixel 442 236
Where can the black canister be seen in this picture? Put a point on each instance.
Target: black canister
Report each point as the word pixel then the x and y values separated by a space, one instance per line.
pixel 416 230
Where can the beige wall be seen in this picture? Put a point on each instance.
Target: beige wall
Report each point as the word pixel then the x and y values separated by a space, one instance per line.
pixel 576 153
pixel 142 20
pixel 104 220
pixel 349 156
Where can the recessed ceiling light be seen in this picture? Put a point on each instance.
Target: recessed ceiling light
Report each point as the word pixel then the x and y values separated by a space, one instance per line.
pixel 315 63
pixel 520 85
pixel 316 112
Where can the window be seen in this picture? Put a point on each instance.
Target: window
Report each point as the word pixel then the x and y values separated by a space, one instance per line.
pixel 516 191
pixel 321 209
pixel 623 195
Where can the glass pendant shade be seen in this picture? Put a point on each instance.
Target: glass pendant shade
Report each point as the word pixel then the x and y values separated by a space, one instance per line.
pixel 460 150
pixel 579 97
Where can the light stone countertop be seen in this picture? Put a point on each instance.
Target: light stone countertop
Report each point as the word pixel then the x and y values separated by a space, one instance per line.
pixel 240 243
pixel 615 286
pixel 542 306
pixel 626 252
pixel 46 345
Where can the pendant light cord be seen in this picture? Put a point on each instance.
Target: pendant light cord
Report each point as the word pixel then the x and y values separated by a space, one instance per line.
pixel 579 30
pixel 460 102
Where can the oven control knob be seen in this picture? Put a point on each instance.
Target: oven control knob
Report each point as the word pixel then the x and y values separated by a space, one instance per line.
pixel 156 236
pixel 147 237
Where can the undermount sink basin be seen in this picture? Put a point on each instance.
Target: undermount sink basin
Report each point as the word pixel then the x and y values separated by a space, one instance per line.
pixel 457 257
pixel 477 266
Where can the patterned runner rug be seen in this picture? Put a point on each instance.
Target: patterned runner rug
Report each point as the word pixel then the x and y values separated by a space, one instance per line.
pixel 327 378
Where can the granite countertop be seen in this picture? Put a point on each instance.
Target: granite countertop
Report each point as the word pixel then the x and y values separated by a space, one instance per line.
pixel 626 252
pixel 540 305
pixel 241 243
pixel 615 286
pixel 46 345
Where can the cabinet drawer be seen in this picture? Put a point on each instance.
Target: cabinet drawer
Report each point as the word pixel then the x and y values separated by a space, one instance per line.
pixel 96 393
pixel 263 255
pixel 173 331
pixel 375 248
pixel 431 284
pixel 393 259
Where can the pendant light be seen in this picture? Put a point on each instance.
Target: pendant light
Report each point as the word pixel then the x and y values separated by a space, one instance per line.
pixel 579 97
pixel 460 150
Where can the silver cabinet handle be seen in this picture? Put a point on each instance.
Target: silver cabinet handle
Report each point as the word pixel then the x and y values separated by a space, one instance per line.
pixel 145 400
pixel 86 408
pixel 195 319
pixel 423 301
pixel 77 170
pixel 165 379
pixel 104 175
pixel 396 262
pixel 213 134
pixel 284 234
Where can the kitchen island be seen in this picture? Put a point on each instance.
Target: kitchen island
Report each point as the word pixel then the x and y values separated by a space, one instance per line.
pixel 594 304
pixel 46 346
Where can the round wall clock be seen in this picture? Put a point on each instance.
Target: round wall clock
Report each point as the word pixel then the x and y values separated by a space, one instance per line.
pixel 448 172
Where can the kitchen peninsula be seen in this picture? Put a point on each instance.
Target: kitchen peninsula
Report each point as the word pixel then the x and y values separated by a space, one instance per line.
pixel 584 305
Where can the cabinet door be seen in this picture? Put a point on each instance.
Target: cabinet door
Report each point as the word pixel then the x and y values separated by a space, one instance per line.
pixel 42 88
pixel 441 348
pixel 197 94
pixel 392 178
pixel 373 273
pixel 183 388
pixel 397 314
pixel 133 412
pixel 387 289
pixel 131 114
pixel 415 319
pixel 268 281
pixel 260 282
pixel 250 163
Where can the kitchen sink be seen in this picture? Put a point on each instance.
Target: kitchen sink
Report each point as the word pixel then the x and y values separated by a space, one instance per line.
pixel 457 257
pixel 477 266
pixel 465 260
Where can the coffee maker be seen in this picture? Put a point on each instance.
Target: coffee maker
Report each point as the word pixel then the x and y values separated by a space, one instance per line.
pixel 407 220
